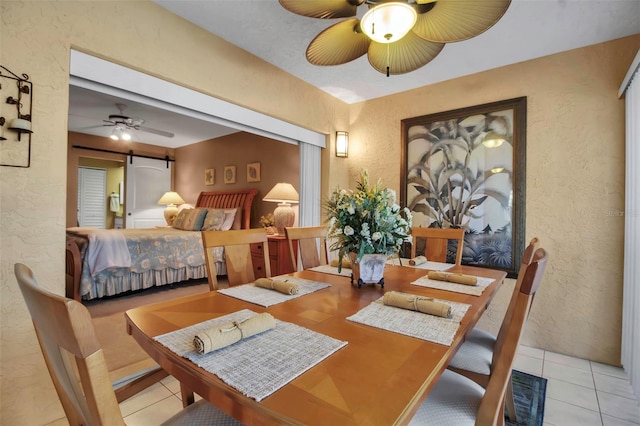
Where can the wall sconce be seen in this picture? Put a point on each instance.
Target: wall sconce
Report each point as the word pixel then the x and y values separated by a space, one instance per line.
pixel 342 144
pixel 2 121
pixel 20 123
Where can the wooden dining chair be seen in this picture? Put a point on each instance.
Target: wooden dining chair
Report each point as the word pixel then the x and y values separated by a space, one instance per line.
pixel 436 241
pixel 312 244
pixel 76 363
pixel 476 356
pixel 237 254
pixel 458 400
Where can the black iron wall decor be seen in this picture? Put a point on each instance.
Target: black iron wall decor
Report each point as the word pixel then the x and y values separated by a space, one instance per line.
pixel 15 119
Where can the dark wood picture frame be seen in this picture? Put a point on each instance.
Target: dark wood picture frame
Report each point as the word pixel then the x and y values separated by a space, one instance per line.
pixel 466 168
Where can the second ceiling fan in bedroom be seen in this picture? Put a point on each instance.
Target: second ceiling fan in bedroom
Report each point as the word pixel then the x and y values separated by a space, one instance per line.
pixel 397 36
pixel 123 126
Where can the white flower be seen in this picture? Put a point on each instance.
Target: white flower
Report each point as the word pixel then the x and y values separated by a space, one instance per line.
pixel 348 230
pixel 351 210
pixel 376 236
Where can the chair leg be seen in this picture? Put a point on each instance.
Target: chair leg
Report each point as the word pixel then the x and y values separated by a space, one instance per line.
pixel 509 402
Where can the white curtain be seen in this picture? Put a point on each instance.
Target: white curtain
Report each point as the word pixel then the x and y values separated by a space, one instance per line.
pixel 310 212
pixel 630 357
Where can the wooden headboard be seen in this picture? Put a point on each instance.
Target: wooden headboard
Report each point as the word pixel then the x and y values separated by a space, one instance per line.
pixel 241 199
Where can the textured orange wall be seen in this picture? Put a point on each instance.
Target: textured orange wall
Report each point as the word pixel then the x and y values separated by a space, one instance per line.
pixel 279 162
pixel 575 179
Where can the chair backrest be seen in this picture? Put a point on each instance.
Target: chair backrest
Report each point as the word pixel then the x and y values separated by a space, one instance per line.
pixel 73 270
pixel 491 407
pixel 312 243
pixel 527 258
pixel 237 254
pixel 72 353
pixel 436 242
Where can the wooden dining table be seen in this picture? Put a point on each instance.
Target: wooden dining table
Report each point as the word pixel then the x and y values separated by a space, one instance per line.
pixel 379 378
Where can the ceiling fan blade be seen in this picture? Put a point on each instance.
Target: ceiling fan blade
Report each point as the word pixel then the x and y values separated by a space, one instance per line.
pixel 95 127
pixel 338 44
pixel 449 21
pixel 324 9
pixel 154 131
pixel 405 55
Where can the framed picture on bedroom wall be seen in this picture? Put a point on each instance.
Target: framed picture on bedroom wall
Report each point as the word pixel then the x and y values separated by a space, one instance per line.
pixel 253 172
pixel 209 176
pixel 465 168
pixel 230 174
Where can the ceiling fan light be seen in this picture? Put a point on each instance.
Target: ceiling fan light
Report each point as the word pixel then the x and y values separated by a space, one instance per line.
pixel 126 136
pixel 388 22
pixel 115 134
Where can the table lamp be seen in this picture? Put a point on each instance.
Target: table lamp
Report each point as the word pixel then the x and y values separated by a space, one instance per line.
pixel 171 199
pixel 284 194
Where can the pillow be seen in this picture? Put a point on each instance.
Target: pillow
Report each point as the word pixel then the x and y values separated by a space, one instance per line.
pixel 190 219
pixel 213 220
pixel 229 219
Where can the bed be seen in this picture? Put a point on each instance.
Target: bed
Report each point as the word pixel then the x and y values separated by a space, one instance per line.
pixel 101 263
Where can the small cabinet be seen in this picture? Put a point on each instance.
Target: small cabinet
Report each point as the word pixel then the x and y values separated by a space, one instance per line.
pixel 279 257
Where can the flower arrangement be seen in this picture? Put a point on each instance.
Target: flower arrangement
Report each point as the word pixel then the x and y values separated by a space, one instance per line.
pixel 267 220
pixel 367 220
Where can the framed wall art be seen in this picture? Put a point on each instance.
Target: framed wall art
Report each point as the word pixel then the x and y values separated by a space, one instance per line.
pixel 209 176
pixel 230 174
pixel 253 172
pixel 466 169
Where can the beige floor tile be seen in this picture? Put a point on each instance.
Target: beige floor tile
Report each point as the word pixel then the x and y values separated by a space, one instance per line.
pixel 614 385
pixel 171 383
pixel 144 399
pixel 558 413
pixel 582 364
pixel 528 364
pixel 155 414
pixel 531 351
pixel 568 374
pixel 612 421
pixel 609 370
pixel 619 407
pixel 572 394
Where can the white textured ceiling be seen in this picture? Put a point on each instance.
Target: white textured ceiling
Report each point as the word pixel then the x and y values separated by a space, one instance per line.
pixel 529 29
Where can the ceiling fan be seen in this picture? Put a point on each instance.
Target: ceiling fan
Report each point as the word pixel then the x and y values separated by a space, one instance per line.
pixel 397 36
pixel 123 125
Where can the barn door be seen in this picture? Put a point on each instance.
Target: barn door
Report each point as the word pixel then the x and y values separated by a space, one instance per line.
pixel 147 180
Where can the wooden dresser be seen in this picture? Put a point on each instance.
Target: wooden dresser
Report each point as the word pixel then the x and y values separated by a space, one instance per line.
pixel 278 255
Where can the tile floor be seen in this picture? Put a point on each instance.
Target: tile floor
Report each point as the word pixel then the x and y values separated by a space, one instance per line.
pixel 579 392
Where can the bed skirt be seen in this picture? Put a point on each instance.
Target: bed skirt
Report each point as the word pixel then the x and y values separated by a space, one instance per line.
pixel 115 282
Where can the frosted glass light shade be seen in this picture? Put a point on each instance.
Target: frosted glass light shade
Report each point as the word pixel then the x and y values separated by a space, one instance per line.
pixel 388 22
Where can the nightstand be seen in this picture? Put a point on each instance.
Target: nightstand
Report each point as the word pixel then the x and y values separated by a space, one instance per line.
pixel 279 256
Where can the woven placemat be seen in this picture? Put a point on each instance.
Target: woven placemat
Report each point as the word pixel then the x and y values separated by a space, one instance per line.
pixel 411 323
pixel 267 297
pixel 333 270
pixel 261 364
pixel 432 266
pixel 474 290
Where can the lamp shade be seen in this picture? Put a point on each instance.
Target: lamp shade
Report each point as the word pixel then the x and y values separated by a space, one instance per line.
pixel 171 197
pixel 282 193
